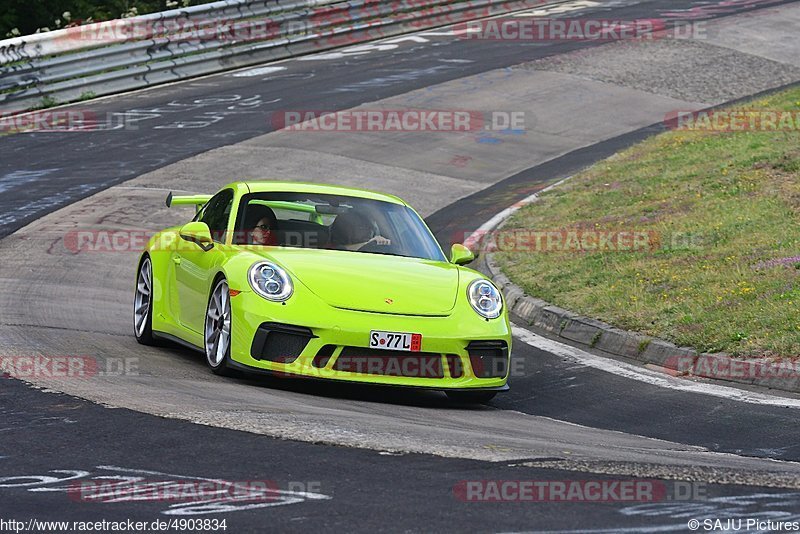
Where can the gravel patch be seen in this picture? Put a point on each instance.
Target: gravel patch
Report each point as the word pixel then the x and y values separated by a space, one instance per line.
pixel 716 475
pixel 683 69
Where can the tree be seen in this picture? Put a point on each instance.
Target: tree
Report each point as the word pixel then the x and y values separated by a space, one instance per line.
pixel 28 16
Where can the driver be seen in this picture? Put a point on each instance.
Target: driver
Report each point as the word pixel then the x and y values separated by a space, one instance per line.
pixel 260 225
pixel 353 231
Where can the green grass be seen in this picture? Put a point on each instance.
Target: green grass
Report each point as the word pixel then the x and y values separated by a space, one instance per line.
pixel 721 204
pixel 46 102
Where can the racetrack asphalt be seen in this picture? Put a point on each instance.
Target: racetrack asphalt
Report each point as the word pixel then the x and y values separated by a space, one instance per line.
pixel 625 426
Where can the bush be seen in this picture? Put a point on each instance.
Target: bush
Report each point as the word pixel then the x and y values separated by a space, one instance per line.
pixel 24 17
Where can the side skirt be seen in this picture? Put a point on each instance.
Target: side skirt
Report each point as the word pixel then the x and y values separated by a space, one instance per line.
pixel 179 341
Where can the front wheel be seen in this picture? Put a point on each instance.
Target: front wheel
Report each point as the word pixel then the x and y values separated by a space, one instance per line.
pixel 471 397
pixel 218 329
pixel 143 304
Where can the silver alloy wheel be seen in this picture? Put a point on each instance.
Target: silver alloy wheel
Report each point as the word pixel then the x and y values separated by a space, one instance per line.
pixel 143 299
pixel 218 325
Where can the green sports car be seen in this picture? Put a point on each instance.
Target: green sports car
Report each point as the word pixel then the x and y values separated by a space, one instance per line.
pixel 322 281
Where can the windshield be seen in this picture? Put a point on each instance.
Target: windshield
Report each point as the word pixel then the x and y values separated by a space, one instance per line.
pixel 334 222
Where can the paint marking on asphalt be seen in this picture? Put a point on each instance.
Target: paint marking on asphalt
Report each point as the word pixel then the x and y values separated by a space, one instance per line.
pixel 559 9
pixel 647 376
pixel 306 494
pixel 780 505
pixel 412 38
pixel 473 241
pixel 260 71
pixel 445 33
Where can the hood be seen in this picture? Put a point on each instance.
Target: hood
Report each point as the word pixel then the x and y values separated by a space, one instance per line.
pixel 373 282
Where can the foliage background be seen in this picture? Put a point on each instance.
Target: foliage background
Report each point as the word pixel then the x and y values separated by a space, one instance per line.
pixel 24 17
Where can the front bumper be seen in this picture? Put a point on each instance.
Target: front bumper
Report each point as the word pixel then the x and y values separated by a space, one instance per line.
pixel 315 340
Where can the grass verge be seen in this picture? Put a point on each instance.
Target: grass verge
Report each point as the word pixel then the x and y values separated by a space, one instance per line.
pixel 720 214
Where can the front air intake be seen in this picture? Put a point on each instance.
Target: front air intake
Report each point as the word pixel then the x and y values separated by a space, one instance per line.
pixel 280 343
pixel 489 359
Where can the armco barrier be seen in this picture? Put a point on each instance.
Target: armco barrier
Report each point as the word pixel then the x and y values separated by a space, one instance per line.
pixel 64 65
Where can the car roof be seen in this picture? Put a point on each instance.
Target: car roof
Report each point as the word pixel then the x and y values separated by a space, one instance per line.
pixel 267 186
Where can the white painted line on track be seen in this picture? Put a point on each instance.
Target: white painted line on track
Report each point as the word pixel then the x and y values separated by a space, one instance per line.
pixel 445 33
pixel 476 236
pixel 260 71
pixel 559 9
pixel 406 38
pixel 306 494
pixel 641 374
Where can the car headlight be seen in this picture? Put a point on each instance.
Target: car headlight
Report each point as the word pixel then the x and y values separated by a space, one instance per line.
pixel 270 281
pixel 485 299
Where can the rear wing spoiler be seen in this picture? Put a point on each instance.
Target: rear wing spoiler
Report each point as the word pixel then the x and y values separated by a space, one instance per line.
pixel 314 216
pixel 185 200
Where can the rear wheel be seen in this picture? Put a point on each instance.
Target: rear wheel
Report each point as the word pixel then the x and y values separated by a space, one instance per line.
pixel 471 397
pixel 143 304
pixel 218 329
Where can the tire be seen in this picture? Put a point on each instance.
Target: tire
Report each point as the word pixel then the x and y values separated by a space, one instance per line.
pixel 471 397
pixel 217 329
pixel 143 304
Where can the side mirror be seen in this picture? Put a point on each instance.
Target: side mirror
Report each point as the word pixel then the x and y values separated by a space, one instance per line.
pixel 197 232
pixel 460 255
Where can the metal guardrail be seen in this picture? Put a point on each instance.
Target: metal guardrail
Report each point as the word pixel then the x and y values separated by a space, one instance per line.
pixel 121 55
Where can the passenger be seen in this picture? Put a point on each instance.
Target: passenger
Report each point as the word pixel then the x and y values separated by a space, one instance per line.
pixel 353 231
